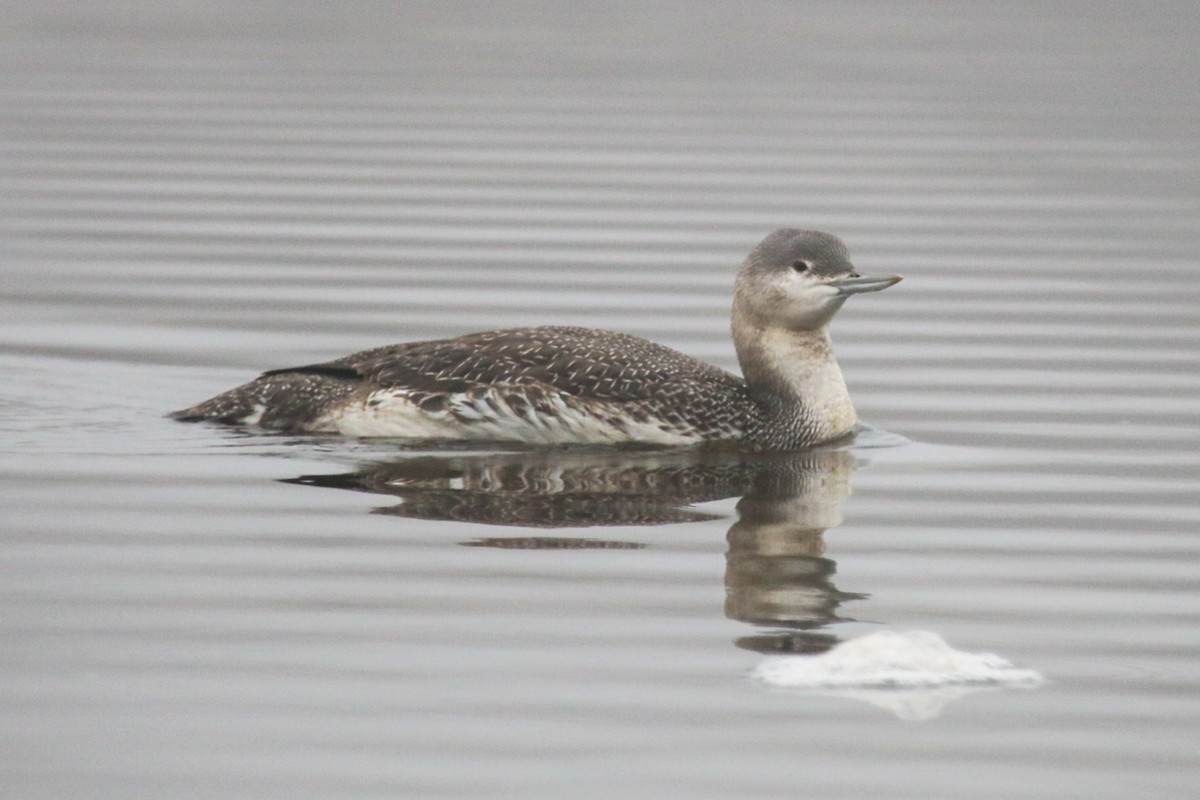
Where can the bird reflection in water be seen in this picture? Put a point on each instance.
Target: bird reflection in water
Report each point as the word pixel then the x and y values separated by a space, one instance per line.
pixel 776 578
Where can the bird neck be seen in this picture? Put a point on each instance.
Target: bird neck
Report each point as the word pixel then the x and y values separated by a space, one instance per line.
pixel 794 379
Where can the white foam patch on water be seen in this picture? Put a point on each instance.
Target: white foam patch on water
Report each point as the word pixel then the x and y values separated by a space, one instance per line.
pixel 913 674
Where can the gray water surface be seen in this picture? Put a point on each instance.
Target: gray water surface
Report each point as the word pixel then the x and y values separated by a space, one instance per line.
pixel 191 195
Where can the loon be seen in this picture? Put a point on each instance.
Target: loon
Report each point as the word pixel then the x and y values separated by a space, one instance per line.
pixel 569 385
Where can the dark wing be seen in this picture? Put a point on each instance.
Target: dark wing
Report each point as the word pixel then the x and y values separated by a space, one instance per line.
pixel 578 361
pixel 596 369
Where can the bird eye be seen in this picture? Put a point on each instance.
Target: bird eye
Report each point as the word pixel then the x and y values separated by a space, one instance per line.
pixel 801 266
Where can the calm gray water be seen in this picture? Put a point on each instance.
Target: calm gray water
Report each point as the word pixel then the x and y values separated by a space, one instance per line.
pixel 191 194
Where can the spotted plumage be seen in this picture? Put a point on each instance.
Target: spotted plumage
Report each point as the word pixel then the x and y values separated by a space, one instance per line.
pixel 556 384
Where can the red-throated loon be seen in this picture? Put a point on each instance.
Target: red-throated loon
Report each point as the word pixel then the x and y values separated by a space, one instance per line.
pixel 560 385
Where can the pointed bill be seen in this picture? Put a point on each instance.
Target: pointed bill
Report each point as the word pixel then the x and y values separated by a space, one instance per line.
pixel 854 284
